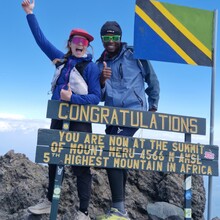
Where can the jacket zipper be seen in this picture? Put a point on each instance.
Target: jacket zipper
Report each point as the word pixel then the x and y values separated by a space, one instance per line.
pixel 139 99
pixel 121 71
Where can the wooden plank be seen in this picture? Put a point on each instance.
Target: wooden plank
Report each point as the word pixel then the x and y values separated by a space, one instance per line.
pixel 126 117
pixel 83 140
pixel 104 159
pixel 86 149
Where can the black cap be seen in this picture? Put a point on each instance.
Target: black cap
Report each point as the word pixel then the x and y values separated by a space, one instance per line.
pixel 111 27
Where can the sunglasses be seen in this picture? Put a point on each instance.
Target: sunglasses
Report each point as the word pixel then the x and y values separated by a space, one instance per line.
pixel 114 38
pixel 78 40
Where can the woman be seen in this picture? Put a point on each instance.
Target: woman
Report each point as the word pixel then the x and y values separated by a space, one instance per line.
pixel 69 85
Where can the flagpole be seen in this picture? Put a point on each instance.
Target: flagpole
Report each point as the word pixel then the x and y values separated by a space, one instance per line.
pixel 212 109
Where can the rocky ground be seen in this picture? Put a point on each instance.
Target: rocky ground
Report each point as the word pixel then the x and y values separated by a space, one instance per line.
pixel 150 195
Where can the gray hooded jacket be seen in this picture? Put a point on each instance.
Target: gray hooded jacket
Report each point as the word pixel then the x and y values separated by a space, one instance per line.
pixel 131 80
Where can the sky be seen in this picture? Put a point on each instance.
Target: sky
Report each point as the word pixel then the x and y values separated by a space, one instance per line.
pixel 26 72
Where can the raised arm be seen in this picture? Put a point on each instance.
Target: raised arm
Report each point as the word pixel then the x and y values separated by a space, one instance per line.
pixel 28 6
pixel 48 48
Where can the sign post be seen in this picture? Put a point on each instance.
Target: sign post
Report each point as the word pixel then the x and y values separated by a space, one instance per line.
pixel 188 189
pixel 58 182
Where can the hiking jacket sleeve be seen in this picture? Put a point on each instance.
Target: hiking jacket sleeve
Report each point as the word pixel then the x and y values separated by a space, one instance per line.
pixel 48 48
pixel 153 89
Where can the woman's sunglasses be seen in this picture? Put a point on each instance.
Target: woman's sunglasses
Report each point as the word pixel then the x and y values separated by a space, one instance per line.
pixel 78 40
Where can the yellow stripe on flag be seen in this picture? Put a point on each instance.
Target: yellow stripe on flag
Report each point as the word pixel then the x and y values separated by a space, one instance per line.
pixel 182 29
pixel 163 35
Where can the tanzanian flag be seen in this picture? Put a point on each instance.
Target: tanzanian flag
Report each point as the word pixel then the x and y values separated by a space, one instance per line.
pixel 172 33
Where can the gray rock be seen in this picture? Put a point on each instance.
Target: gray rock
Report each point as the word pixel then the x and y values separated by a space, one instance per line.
pixel 164 210
pixel 23 183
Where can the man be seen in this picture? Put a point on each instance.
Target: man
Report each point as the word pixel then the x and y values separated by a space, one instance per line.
pixel 123 81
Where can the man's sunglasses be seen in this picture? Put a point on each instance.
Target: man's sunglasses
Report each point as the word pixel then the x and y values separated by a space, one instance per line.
pixel 114 38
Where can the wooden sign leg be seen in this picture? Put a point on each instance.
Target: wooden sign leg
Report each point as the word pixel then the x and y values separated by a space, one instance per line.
pixel 188 189
pixel 56 192
pixel 188 197
pixel 58 183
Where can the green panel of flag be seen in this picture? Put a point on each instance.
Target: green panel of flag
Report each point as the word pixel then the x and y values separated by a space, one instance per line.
pixel 172 33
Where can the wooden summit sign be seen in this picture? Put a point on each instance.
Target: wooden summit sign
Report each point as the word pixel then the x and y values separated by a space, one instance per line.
pixel 64 147
pixel 85 149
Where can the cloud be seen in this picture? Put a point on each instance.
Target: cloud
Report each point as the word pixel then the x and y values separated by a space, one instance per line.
pixel 11 116
pixel 20 133
pixel 15 122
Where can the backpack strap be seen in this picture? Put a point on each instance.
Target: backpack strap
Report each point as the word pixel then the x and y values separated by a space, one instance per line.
pixel 143 64
pixel 81 66
pixel 60 62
